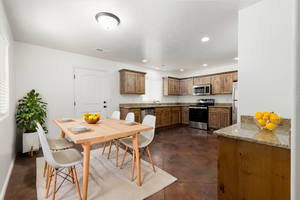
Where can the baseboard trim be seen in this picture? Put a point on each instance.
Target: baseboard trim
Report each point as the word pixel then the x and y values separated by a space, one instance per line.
pixel 2 194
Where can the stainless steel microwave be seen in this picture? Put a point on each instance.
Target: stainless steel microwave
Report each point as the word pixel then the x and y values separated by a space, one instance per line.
pixel 202 89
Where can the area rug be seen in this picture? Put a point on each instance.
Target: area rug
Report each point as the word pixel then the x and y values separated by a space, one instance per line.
pixel 106 181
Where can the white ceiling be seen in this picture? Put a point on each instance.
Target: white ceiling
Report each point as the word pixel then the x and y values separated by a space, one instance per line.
pixel 163 32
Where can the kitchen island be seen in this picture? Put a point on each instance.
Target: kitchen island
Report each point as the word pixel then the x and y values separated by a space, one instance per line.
pixel 253 163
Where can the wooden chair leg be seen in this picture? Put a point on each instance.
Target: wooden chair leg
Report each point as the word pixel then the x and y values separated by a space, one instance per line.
pixel 133 161
pixel 48 174
pixel 150 158
pixel 76 180
pixel 54 184
pixel 104 148
pixel 49 180
pixel 45 168
pixel 71 174
pixel 117 146
pixel 31 151
pixel 124 157
pixel 109 149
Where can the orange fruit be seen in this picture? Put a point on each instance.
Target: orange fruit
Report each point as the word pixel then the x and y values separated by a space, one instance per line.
pixel 264 113
pixel 265 117
pixel 270 126
pixel 262 122
pixel 280 120
pixel 258 115
pixel 274 118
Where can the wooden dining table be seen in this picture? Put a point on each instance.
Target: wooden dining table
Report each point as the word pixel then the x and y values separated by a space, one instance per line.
pixel 104 130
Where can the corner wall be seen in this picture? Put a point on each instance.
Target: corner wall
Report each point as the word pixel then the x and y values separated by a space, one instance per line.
pixel 265 57
pixel 7 123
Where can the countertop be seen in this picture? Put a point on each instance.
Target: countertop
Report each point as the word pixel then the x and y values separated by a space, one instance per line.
pixel 280 137
pixel 217 105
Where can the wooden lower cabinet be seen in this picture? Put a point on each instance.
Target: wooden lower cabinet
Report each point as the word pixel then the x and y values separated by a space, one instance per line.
pixel 163 117
pixel 248 170
pixel 185 118
pixel 136 111
pixel 219 117
pixel 176 115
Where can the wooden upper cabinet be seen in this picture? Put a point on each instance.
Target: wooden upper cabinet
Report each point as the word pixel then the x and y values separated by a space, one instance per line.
pixel 202 80
pixel 227 84
pixel 217 84
pixel 132 82
pixel 171 86
pixel 234 76
pixel 186 86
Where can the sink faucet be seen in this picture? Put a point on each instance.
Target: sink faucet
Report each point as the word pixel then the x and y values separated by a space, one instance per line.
pixel 155 101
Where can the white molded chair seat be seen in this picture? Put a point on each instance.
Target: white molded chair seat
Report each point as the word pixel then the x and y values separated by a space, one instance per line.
pixel 58 144
pixel 116 115
pixel 67 158
pixel 143 141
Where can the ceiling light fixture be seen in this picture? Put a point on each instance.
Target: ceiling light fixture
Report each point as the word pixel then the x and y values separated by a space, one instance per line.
pixel 144 60
pixel 157 68
pixel 236 58
pixel 107 20
pixel 181 70
pixel 205 39
pixel 162 65
pixel 204 65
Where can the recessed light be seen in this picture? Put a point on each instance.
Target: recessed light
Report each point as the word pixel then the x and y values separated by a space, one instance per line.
pixel 162 65
pixel 205 39
pixel 236 58
pixel 181 70
pixel 157 68
pixel 204 65
pixel 144 60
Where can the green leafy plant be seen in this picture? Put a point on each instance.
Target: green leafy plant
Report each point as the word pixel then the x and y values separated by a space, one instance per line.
pixel 30 111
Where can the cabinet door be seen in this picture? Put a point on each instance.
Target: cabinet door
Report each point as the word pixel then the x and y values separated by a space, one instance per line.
pixel 166 118
pixel 159 120
pixel 224 120
pixel 140 83
pixel 171 86
pixel 234 76
pixel 176 87
pixel 182 87
pixel 197 81
pixel 130 83
pixel 227 84
pixel 206 80
pixel 176 117
pixel 213 120
pixel 217 83
pixel 189 86
pixel 185 115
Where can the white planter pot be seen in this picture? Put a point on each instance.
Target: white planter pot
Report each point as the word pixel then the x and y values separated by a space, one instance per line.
pixel 30 140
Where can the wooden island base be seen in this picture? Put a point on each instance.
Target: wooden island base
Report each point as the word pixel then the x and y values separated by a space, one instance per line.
pixel 252 171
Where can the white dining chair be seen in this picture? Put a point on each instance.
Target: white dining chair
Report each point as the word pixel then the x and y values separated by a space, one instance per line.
pixel 59 159
pixel 116 115
pixel 145 138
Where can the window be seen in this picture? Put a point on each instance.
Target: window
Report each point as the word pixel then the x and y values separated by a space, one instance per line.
pixel 4 89
pixel 153 89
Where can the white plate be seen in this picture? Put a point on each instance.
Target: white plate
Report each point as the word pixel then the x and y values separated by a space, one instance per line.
pixel 80 129
pixel 66 119
pixel 129 123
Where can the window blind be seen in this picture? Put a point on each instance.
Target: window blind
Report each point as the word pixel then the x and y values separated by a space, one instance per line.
pixel 4 87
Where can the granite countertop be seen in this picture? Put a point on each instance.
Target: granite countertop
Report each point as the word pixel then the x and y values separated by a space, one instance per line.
pixel 280 137
pixel 162 106
pixel 149 105
pixel 220 106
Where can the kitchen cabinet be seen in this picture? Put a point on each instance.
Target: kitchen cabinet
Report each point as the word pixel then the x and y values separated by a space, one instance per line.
pixel 219 117
pixel 186 86
pixel 202 80
pixel 171 86
pixel 185 119
pixel 163 117
pixel 234 76
pixel 136 111
pixel 222 84
pixel 176 115
pixel 132 82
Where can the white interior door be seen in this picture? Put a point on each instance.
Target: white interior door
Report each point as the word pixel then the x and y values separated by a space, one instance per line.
pixel 90 92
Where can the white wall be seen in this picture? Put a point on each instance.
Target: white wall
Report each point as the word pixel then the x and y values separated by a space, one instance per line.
pixel 7 123
pixel 224 98
pixel 50 72
pixel 265 57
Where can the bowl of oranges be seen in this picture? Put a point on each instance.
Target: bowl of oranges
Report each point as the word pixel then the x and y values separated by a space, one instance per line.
pixel 91 118
pixel 267 120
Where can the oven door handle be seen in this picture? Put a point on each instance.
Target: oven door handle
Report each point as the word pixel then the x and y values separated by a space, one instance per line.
pixel 199 108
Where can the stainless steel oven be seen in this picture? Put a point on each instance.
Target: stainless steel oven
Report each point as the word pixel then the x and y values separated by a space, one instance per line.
pixel 199 113
pixel 202 89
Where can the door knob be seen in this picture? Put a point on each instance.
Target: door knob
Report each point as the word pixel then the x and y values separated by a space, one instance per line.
pixel 104 106
pixel 104 101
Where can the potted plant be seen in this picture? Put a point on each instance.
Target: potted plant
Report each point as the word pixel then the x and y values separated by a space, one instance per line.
pixel 31 109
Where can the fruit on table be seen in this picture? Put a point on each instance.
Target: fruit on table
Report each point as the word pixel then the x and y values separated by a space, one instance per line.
pixel 280 120
pixel 274 118
pixel 265 117
pixel 91 117
pixel 270 126
pixel 262 122
pixel 259 115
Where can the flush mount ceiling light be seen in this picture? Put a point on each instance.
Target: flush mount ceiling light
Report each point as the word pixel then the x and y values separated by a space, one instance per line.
pixel 205 39
pixel 144 60
pixel 107 20
pixel 236 58
pixel 157 68
pixel 181 70
pixel 204 65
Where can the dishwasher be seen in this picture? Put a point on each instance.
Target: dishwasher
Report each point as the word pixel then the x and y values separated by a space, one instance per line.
pixel 146 111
